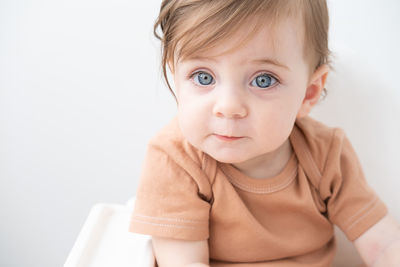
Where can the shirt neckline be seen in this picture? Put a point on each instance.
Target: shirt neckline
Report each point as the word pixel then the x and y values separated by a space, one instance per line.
pixel 262 186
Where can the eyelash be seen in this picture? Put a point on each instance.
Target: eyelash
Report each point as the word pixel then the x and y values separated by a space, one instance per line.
pixel 269 75
pixel 277 81
pixel 192 76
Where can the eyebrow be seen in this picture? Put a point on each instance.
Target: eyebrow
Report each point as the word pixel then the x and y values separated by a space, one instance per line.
pixel 269 61
pixel 201 58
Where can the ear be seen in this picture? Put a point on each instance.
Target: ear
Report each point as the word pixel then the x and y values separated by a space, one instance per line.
pixel 314 89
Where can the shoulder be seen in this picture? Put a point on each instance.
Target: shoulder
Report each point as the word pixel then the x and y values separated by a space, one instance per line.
pixel 318 133
pixel 170 141
pixel 174 193
pixel 169 154
pixel 320 141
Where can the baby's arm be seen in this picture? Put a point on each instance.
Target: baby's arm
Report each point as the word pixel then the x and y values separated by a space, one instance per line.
pixel 180 253
pixel 380 245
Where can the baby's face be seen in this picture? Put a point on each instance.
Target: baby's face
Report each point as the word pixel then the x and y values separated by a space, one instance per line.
pixel 242 105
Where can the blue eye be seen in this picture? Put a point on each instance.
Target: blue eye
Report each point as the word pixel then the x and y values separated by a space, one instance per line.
pixel 264 81
pixel 203 78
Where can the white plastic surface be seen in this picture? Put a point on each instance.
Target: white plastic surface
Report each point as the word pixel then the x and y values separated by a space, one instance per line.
pixel 104 241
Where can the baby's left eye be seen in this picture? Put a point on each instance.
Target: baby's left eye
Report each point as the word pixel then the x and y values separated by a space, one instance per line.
pixel 264 81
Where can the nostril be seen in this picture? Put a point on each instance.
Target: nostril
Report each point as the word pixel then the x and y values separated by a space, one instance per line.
pixel 230 105
pixel 237 114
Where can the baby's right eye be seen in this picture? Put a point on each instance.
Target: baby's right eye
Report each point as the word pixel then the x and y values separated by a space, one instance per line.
pixel 202 78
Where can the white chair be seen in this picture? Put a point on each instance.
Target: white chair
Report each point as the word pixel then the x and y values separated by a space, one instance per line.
pixel 105 241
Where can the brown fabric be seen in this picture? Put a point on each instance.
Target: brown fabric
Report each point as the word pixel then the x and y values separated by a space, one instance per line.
pixel 285 220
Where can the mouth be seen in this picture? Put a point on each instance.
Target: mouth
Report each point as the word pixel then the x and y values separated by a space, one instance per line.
pixel 227 138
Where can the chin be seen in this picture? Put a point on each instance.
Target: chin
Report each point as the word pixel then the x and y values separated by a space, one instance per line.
pixel 230 158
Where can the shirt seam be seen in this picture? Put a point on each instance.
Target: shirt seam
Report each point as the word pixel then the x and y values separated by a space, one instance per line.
pixel 264 190
pixel 314 165
pixel 326 158
pixel 163 224
pixel 368 211
pixel 169 219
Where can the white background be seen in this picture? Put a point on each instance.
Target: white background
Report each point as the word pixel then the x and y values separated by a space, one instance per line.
pixel 81 93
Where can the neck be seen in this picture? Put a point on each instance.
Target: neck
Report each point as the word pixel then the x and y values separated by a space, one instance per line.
pixel 267 165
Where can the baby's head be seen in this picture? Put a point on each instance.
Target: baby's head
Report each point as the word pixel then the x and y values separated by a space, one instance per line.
pixel 190 27
pixel 244 70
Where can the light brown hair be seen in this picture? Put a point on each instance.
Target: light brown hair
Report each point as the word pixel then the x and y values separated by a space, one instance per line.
pixel 193 26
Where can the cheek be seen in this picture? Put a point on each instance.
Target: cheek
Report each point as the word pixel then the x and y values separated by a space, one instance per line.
pixel 288 114
pixel 192 117
pixel 188 109
pixel 186 124
pixel 192 125
pixel 277 125
pixel 277 120
pixel 186 112
pixel 193 106
pixel 184 115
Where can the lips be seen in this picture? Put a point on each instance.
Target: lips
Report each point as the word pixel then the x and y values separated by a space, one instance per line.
pixel 227 138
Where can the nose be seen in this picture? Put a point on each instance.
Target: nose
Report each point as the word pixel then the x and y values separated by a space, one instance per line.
pixel 230 103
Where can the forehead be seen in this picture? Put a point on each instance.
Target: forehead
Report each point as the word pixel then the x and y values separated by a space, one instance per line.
pixel 281 41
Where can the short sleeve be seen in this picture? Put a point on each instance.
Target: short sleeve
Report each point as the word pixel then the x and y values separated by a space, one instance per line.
pixel 351 204
pixel 169 201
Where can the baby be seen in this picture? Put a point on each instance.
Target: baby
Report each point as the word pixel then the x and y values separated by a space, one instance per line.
pixel 243 176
